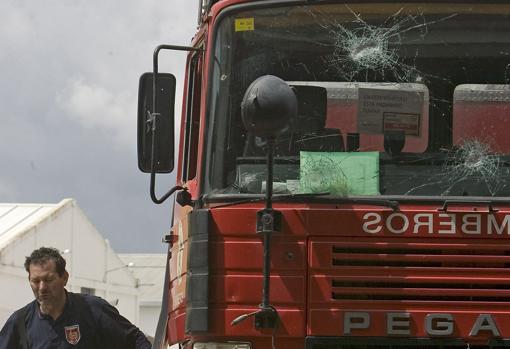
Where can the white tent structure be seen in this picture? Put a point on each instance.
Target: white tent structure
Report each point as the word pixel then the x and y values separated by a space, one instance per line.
pixel 93 266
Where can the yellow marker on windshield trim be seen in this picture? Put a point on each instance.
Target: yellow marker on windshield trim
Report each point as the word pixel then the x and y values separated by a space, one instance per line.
pixel 244 24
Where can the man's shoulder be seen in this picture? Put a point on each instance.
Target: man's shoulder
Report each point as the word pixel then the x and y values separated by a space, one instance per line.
pixel 23 311
pixel 19 316
pixel 91 301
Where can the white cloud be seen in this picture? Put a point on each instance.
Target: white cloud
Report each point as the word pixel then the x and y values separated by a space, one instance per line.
pixel 84 57
pixel 68 105
pixel 96 107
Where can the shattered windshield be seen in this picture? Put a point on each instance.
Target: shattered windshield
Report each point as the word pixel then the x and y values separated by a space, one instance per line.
pixel 393 99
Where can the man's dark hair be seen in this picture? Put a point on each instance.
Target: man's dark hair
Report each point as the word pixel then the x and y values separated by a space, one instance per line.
pixel 43 255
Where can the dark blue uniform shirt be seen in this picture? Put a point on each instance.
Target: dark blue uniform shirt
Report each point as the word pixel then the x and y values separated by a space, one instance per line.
pixel 86 323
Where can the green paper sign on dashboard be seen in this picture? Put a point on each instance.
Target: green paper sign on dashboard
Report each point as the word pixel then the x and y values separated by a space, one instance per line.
pixel 341 173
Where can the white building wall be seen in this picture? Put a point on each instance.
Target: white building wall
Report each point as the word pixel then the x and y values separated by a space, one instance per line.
pixel 149 316
pixel 149 269
pixel 15 291
pixel 90 261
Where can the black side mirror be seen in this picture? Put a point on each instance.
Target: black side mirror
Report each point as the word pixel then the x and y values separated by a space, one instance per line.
pixel 156 127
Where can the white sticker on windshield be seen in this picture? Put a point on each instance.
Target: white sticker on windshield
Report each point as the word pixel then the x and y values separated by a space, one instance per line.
pixel 383 110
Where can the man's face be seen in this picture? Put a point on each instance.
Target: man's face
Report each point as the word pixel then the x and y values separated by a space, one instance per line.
pixel 47 285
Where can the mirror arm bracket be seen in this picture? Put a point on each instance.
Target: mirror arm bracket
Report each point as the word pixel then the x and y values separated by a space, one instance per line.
pixel 153 117
pixel 164 197
pixel 155 68
pixel 171 48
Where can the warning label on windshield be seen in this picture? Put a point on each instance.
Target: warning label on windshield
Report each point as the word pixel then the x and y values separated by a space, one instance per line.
pixel 408 123
pixel 383 110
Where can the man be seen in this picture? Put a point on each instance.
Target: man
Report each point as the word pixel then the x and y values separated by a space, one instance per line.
pixel 59 319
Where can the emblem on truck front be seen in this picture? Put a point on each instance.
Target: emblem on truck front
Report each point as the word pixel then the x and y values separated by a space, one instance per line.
pixel 435 324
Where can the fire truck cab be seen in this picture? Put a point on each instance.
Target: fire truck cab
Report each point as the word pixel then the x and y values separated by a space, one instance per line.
pixel 343 176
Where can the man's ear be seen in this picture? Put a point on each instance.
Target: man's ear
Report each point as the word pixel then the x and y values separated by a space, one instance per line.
pixel 66 277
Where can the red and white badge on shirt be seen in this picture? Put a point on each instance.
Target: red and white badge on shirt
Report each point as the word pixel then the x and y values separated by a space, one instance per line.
pixel 73 334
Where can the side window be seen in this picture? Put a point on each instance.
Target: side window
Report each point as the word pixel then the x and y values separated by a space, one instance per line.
pixel 192 117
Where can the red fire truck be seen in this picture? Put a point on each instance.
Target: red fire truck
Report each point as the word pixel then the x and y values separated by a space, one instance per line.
pixel 343 176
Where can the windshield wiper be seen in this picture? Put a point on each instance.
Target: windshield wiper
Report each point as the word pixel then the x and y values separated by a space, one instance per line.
pixel 304 197
pixel 276 197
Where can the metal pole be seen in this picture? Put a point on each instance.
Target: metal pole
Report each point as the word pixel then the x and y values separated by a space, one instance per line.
pixel 267 233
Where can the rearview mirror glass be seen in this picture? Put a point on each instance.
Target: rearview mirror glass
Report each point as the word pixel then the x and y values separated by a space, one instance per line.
pixel 164 132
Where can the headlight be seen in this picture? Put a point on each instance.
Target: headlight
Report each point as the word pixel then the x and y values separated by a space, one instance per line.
pixel 227 345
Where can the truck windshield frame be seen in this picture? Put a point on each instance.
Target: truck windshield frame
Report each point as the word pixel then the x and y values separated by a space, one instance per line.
pixel 407 100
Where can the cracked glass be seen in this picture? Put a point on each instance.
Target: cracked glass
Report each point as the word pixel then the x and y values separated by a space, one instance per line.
pixel 393 99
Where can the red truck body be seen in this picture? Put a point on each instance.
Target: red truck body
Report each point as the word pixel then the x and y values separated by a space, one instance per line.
pixel 404 240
